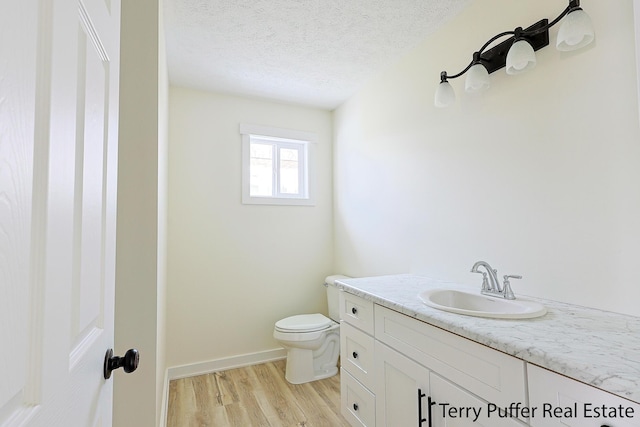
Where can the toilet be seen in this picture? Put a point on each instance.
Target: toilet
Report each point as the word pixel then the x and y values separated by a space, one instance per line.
pixel 312 341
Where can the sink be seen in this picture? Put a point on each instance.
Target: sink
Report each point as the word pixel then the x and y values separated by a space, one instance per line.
pixel 472 304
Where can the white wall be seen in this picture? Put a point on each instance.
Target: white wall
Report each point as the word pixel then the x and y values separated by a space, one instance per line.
pixel 234 269
pixel 539 176
pixel 140 281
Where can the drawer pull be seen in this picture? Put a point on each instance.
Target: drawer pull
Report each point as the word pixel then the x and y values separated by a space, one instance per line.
pixel 354 310
pixel 355 354
pixel 429 402
pixel 355 406
pixel 420 419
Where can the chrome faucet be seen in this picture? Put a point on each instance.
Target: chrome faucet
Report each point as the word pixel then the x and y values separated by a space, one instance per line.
pixel 491 286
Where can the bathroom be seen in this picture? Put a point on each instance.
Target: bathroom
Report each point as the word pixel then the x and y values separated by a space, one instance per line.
pixel 538 176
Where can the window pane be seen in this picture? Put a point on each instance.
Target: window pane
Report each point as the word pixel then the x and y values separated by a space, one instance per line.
pixel 289 176
pixel 261 170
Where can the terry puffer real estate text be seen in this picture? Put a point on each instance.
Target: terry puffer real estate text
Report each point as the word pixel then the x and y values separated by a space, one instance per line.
pixel 547 410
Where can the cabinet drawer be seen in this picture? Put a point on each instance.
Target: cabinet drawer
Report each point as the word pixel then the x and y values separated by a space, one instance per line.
pixel 497 377
pixel 358 404
pixel 578 403
pixel 357 312
pixel 356 354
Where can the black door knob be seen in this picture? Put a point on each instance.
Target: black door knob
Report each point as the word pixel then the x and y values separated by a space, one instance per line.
pixel 129 362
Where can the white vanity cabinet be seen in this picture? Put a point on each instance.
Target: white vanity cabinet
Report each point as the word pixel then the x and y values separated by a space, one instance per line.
pixel 405 388
pixel 392 355
pixel 391 364
pixel 494 376
pixel 458 375
pixel 561 401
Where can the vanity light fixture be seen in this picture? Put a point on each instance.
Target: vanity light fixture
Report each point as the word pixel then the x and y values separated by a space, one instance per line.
pixel 517 53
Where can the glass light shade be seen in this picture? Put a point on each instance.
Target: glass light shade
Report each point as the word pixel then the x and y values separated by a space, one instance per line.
pixel 576 31
pixel 445 95
pixel 477 79
pixel 520 57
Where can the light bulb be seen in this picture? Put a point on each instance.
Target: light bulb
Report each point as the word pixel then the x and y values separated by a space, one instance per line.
pixel 445 95
pixel 520 58
pixel 477 79
pixel 576 31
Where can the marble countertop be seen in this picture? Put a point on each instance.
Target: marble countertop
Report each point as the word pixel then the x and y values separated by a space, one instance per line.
pixel 592 346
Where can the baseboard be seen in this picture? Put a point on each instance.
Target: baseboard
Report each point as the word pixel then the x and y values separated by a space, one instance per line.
pixel 226 363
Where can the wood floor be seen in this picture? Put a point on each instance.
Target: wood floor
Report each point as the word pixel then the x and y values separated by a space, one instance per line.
pixel 254 396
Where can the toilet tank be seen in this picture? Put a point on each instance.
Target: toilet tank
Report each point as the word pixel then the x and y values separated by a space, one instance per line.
pixel 333 297
pixel 332 301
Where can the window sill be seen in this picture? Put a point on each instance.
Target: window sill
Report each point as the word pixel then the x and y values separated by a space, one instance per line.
pixel 277 201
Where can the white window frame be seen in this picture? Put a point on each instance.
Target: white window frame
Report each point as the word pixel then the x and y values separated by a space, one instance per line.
pixel 280 138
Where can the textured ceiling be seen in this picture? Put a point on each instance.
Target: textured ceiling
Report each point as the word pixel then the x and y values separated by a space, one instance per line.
pixel 311 52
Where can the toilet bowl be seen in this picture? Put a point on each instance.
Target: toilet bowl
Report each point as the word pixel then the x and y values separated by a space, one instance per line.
pixel 312 342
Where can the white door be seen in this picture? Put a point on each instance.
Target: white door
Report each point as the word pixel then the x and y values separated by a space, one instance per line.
pixel 402 393
pixel 564 402
pixel 457 407
pixel 59 69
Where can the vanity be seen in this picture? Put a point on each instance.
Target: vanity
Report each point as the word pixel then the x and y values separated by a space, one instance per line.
pixel 404 363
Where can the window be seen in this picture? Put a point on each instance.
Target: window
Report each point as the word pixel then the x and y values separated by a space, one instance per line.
pixel 276 166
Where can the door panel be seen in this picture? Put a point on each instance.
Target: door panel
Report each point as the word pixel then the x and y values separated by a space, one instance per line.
pixel 90 144
pixel 17 117
pixel 474 411
pixel 576 402
pixel 398 380
pixel 59 63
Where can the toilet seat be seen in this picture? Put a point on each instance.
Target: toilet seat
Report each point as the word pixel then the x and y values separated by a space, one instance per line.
pixel 312 342
pixel 304 323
